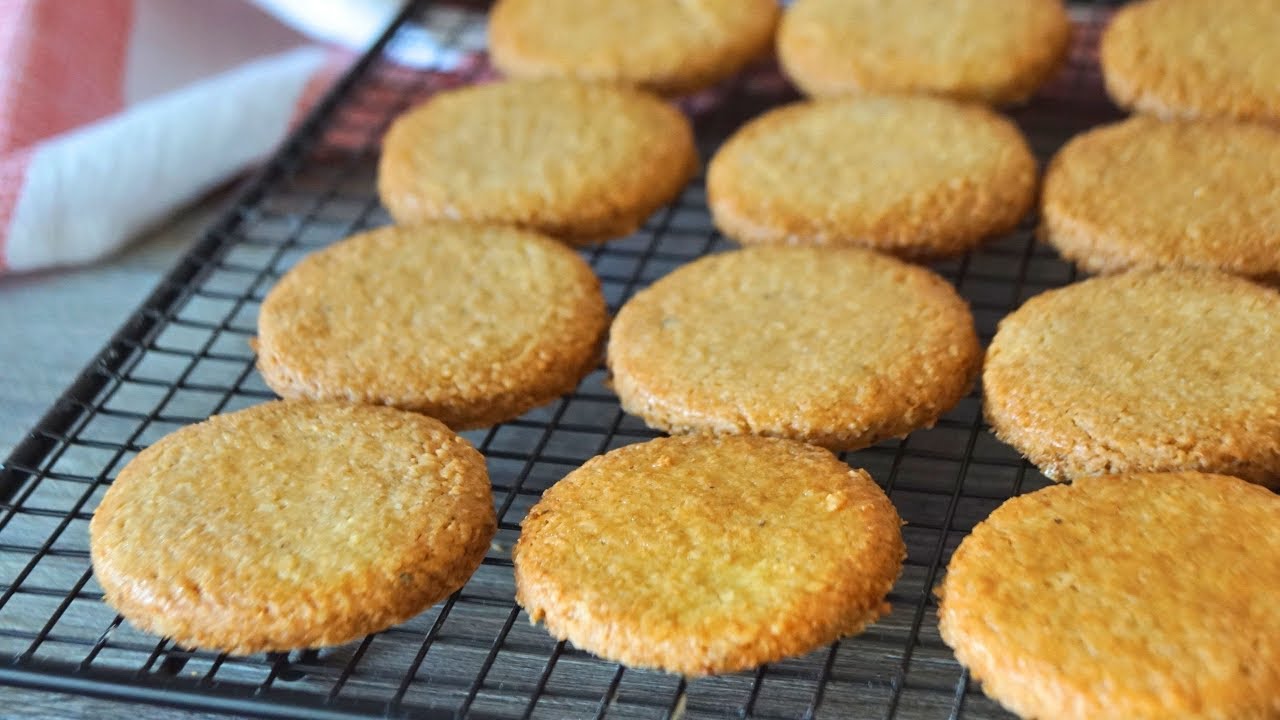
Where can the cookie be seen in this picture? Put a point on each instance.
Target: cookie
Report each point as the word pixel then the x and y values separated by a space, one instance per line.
pixel 666 46
pixel 1141 372
pixel 914 176
pixel 836 347
pixel 578 161
pixel 1195 58
pixel 469 324
pixel 1127 596
pixel 994 51
pixel 291 525
pixel 1146 194
pixel 702 555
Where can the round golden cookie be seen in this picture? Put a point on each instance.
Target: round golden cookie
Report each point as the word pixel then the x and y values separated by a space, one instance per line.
pixel 581 162
pixel 995 51
pixel 1214 205
pixel 667 46
pixel 702 555
pixel 1125 596
pixel 291 525
pixel 836 347
pixel 469 324
pixel 1195 58
pixel 1141 372
pixel 917 177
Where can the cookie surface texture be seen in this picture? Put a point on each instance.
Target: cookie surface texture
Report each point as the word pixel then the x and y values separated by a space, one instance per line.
pixel 701 555
pixel 1215 205
pixel 581 162
pixel 994 51
pixel 1195 58
pixel 291 525
pixel 666 46
pixel 837 347
pixel 1125 596
pixel 469 324
pixel 913 176
pixel 1141 372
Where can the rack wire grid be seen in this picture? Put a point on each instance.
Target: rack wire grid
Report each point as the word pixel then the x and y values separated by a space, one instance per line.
pixel 184 355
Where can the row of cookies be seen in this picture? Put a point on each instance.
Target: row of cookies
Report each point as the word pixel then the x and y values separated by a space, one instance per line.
pixel 925 178
pixel 1173 58
pixel 998 51
pixel 916 176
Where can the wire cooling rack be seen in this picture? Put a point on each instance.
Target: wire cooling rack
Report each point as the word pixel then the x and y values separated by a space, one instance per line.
pixel 184 355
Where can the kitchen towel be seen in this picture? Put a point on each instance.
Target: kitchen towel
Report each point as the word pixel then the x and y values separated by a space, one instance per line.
pixel 115 112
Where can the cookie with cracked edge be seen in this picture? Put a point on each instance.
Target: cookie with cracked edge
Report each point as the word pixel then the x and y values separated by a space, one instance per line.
pixel 469 324
pixel 701 555
pixel 993 51
pixel 291 525
pixel 664 46
pixel 582 162
pixel 1141 372
pixel 836 347
pixel 1195 58
pixel 1213 207
pixel 1130 596
pixel 917 177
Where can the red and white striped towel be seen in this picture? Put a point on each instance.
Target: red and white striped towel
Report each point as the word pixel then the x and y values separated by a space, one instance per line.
pixel 115 112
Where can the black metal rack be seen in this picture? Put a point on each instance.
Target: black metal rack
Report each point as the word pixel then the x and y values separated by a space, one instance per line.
pixel 184 355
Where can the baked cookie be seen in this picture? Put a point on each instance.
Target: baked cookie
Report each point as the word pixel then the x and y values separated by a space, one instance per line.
pixel 291 525
pixel 994 51
pixel 469 324
pixel 1141 372
pixel 837 347
pixel 667 46
pixel 917 177
pixel 581 162
pixel 1144 193
pixel 702 555
pixel 1195 58
pixel 1126 596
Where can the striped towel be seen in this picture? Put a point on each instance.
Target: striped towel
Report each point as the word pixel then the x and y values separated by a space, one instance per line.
pixel 113 113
